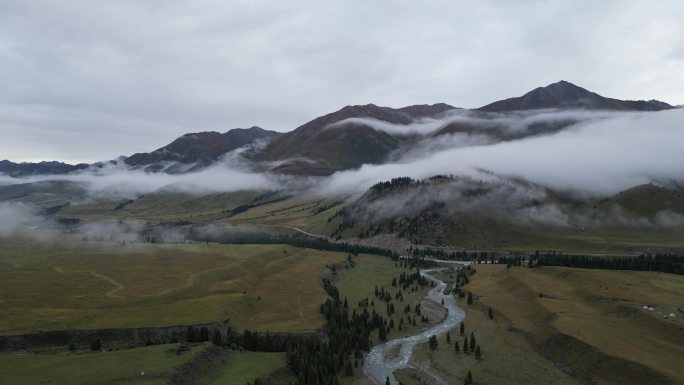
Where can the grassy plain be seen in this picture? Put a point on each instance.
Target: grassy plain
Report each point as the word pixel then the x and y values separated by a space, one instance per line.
pixel 587 327
pixel 161 206
pixel 246 366
pixel 508 359
pixel 95 368
pixel 58 285
pixel 309 213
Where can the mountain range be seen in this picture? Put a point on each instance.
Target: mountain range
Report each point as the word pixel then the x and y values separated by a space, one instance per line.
pixel 348 138
pixel 198 149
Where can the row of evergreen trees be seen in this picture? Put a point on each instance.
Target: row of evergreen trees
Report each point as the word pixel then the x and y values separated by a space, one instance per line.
pixel 456 255
pixel 318 361
pixel 662 262
pixel 263 238
pixel 666 263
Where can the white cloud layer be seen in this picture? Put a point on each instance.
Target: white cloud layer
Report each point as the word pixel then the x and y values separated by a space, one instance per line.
pixel 597 156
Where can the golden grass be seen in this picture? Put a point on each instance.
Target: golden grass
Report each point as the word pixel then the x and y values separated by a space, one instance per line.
pixel 245 367
pixel 601 308
pixel 299 211
pixel 261 287
pixel 99 368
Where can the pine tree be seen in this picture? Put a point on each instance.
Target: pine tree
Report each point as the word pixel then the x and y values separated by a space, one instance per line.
pixel 433 342
pixel 96 344
pixel 470 298
pixel 190 334
pixel 456 347
pixel 491 314
pixel 348 369
pixel 469 378
pixel 462 329
pixel 465 345
pixel 478 353
pixel 204 334
pixel 217 338
pixel 448 338
pixel 472 341
pixel 387 381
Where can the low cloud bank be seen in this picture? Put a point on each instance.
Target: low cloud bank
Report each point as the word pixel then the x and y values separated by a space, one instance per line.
pixel 514 122
pixel 596 156
pixel 22 219
pixel 119 181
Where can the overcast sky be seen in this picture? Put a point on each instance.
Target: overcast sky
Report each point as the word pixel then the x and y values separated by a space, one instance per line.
pixel 91 80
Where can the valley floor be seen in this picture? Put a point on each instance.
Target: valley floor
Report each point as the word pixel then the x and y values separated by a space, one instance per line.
pixel 556 325
pixel 550 324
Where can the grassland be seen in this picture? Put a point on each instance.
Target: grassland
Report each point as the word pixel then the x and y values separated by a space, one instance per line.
pixel 309 213
pixel 245 367
pixel 161 206
pixel 588 327
pixel 508 359
pixel 61 285
pixel 95 368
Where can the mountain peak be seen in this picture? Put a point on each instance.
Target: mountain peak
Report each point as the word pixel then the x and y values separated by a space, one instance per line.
pixel 201 147
pixel 564 94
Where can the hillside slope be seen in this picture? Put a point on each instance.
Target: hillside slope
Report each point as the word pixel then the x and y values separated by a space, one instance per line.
pixel 201 148
pixel 328 143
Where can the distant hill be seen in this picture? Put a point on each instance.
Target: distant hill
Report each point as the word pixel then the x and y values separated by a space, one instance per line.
pixel 567 95
pixel 462 212
pixel 647 200
pixel 40 168
pixel 316 148
pixel 201 148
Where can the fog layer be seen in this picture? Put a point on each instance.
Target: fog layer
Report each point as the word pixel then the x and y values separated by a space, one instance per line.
pixel 598 156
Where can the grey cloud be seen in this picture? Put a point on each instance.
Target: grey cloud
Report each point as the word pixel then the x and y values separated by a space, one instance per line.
pixel 89 81
pixel 118 181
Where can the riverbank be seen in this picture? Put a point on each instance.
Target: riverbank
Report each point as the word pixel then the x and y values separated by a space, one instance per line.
pixel 382 360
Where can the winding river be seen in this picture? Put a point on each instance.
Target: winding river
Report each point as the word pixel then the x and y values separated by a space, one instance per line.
pixel 383 359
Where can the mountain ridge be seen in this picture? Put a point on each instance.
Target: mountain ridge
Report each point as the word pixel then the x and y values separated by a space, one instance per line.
pixel 201 148
pixel 38 168
pixel 342 140
pixel 563 94
pixel 316 148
